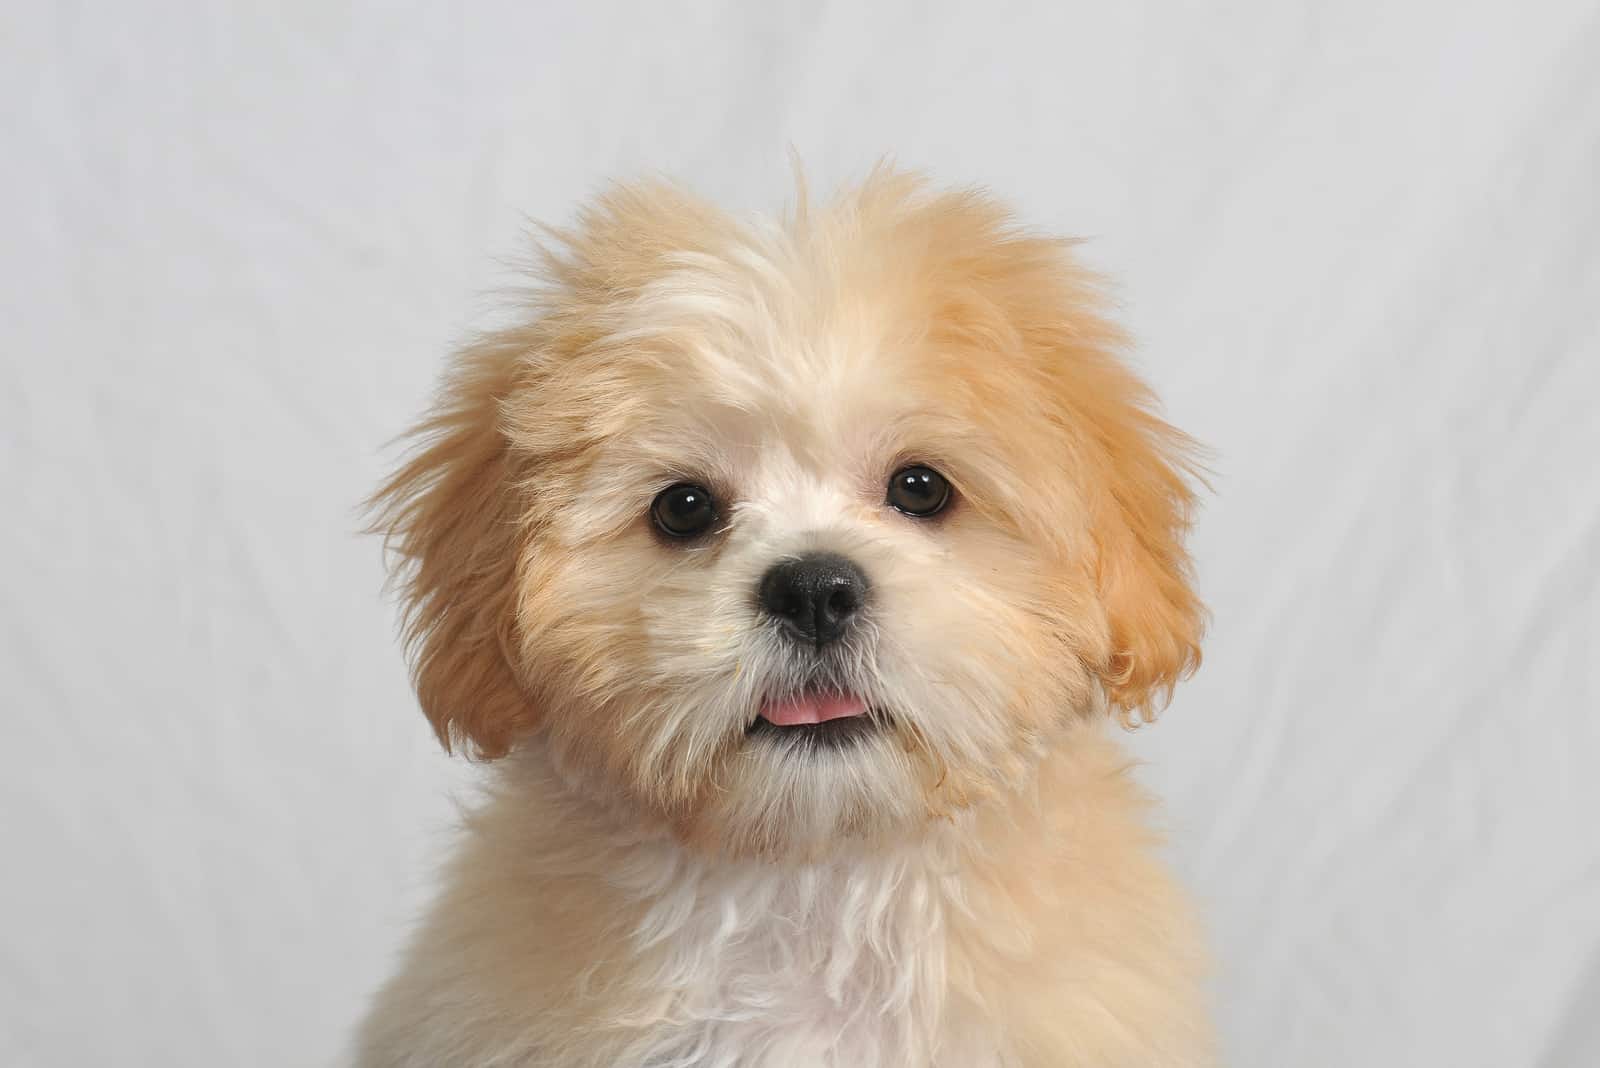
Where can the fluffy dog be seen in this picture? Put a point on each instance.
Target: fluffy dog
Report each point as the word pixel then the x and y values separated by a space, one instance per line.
pixel 789 572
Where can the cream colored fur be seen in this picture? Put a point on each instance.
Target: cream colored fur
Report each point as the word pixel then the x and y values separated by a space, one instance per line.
pixel 971 885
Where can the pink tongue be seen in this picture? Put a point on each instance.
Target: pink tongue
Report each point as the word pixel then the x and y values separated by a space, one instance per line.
pixel 811 708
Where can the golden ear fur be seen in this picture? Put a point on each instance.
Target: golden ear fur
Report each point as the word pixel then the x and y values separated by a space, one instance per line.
pixel 450 518
pixel 1136 474
pixel 1156 620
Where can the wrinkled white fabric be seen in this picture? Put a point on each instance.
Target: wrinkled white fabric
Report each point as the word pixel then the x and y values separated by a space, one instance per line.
pixel 1359 245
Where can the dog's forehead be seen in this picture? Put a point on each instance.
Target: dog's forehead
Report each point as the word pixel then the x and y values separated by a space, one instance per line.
pixel 777 370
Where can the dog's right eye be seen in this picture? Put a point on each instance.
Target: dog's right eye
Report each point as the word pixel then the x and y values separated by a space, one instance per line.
pixel 918 491
pixel 684 510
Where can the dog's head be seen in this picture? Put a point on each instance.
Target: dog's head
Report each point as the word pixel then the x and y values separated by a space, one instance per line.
pixel 792 531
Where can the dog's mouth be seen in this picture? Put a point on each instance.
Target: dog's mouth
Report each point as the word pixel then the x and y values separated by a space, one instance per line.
pixel 815 718
pixel 811 709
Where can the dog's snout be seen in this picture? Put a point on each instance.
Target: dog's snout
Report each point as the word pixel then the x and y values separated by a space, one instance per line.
pixel 815 597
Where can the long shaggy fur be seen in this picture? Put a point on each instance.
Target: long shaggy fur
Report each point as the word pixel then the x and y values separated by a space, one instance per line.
pixel 968 885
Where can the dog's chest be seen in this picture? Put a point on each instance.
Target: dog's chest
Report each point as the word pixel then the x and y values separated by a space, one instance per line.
pixel 825 967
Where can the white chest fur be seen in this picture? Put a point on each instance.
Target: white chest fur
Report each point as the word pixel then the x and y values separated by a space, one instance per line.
pixel 842 964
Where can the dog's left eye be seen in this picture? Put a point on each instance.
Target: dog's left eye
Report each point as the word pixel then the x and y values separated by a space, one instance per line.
pixel 684 510
pixel 918 491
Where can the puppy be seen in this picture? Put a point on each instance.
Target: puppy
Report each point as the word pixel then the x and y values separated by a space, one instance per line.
pixel 788 573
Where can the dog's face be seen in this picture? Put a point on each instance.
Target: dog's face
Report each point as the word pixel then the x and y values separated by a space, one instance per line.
pixel 792 533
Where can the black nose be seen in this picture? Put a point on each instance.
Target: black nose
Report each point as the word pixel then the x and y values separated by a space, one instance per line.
pixel 816 597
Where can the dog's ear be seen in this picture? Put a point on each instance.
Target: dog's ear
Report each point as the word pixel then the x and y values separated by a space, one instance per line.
pixel 451 521
pixel 1141 511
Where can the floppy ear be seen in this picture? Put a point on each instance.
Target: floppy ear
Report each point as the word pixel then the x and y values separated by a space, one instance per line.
pixel 1142 514
pixel 451 518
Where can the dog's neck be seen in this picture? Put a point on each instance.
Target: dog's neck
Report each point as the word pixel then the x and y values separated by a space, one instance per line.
pixel 876 953
pixel 844 951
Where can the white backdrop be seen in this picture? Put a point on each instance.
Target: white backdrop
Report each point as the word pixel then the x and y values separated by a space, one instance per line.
pixel 1359 243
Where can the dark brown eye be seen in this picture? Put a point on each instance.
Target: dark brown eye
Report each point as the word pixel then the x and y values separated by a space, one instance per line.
pixel 919 491
pixel 684 510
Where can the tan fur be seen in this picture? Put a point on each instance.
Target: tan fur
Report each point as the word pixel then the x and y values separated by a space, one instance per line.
pixel 973 885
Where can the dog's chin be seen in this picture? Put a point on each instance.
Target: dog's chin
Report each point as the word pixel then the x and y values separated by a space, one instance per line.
pixel 803 786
